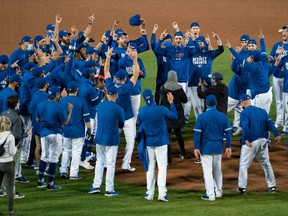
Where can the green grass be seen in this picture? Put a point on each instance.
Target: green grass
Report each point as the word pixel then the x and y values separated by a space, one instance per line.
pixel 73 199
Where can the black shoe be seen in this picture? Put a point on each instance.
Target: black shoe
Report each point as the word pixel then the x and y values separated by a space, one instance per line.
pixel 183 156
pixel 241 191
pixel 272 189
pixel 197 161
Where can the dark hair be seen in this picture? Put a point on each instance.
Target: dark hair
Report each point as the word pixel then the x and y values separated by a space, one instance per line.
pixel 12 101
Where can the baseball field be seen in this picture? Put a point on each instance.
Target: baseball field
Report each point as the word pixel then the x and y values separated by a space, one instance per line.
pixel 185 184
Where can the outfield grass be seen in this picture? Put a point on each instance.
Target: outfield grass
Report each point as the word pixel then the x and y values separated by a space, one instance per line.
pixel 73 199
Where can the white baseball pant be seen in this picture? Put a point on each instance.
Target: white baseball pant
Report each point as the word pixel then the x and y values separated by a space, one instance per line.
pixel 234 104
pixel 263 100
pixel 50 146
pixel 278 93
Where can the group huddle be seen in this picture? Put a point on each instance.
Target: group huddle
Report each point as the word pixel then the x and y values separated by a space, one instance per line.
pixel 63 96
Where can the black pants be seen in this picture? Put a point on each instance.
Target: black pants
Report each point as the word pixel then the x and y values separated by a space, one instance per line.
pixel 180 140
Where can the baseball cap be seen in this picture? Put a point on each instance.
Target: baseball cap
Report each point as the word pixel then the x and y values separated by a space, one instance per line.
pixel 91 50
pixel 193 24
pixel 72 86
pixel 111 90
pixel 256 55
pixel 135 20
pixel 29 65
pixel 81 33
pixel 252 41
pixel 37 71
pixel 217 76
pixel 244 37
pixel 53 91
pixel 42 81
pixel 283 28
pixel 120 32
pixel 50 27
pixel 211 99
pixel 91 63
pixel 87 72
pixel 244 97
pixel 37 39
pixel 179 33
pixel 121 74
pixel 63 33
pixel 25 39
pixel 201 39
pixel 168 36
pixel 4 59
pixel 15 78
pixel 148 96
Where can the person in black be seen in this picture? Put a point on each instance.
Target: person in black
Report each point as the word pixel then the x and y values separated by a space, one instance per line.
pixel 171 85
pixel 218 89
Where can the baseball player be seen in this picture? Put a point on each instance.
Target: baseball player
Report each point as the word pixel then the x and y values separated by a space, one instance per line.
pixel 51 116
pixel 152 120
pixel 278 82
pixel 208 144
pixel 256 124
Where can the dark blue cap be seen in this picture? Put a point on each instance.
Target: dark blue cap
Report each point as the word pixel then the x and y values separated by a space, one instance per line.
pixel 135 20
pixel 252 41
pixel 72 86
pixel 217 76
pixel 15 78
pixel 111 90
pixel 244 37
pixel 148 96
pixel 211 99
pixel 121 74
pixel 50 27
pixel 244 97
pixel 4 59
pixel 26 39
pixel 179 33
pixel 193 24
pixel 256 55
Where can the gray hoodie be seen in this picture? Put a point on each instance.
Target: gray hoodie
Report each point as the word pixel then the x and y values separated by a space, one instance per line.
pixel 10 148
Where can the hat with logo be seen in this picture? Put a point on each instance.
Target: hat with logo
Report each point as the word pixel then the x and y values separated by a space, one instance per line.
pixel 244 37
pixel 148 96
pixel 211 100
pixel 135 20
pixel 244 97
pixel 121 74
pixel 26 39
pixel 217 76
pixel 193 24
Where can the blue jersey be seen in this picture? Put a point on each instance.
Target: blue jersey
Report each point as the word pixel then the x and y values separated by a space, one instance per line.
pixel 38 97
pixel 275 47
pixel 80 114
pixel 209 130
pixel 4 94
pixel 255 123
pixel 109 119
pixel 51 116
pixel 20 55
pixel 281 71
pixel 5 76
pixel 200 66
pixel 152 118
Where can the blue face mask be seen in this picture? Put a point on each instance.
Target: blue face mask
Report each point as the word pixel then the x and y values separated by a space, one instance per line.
pixel 30 47
pixel 167 43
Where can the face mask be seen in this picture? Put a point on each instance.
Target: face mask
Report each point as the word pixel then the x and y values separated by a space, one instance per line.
pixel 167 43
pixel 30 47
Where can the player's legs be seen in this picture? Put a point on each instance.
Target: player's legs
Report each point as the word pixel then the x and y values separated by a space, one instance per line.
pixel 278 90
pixel 246 158
pixel 129 132
pixel 207 167
pixel 150 174
pixel 25 143
pixel 285 105
pixel 197 103
pixel 217 171
pixel 135 100
pixel 264 100
pixel 99 168
pixel 234 104
pixel 111 155
pixel 77 145
pixel 188 105
pixel 161 158
pixel 66 155
pixel 262 156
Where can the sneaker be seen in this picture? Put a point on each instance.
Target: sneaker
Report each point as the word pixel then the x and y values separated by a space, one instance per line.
pixel 148 197
pixel 18 196
pixel 129 170
pixel 272 189
pixel 205 197
pixel 53 187
pixel 2 194
pixel 238 132
pixel 75 177
pixel 85 164
pixel 22 180
pixel 183 156
pixel 111 193
pixel 63 175
pixel 163 198
pixel 219 196
pixel 241 191
pixel 41 185
pixel 283 133
pixel 94 191
pixel 12 213
pixel 197 161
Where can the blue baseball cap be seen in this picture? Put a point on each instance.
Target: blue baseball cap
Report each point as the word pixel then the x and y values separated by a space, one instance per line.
pixel 244 37
pixel 37 71
pixel 211 99
pixel 29 65
pixel 252 41
pixel 38 38
pixel 87 72
pixel 72 86
pixel 50 27
pixel 63 33
pixel 168 36
pixel 53 91
pixel 91 50
pixel 148 96
pixel 256 55
pixel 112 90
pixel 121 74
pixel 42 81
pixel 15 78
pixel 91 63
pixel 26 39
pixel 217 76
pixel 179 33
pixel 120 32
pixel 135 20
pixel 193 24
pixel 4 59
pixel 244 97
pixel 201 39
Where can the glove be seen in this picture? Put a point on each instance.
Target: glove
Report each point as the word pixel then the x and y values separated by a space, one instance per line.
pixel 88 134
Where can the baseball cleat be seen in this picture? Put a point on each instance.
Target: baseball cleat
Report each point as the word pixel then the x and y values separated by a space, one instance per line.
pixel 163 198
pixel 205 197
pixel 272 189
pixel 241 191
pixel 111 193
pixel 94 191
pixel 148 197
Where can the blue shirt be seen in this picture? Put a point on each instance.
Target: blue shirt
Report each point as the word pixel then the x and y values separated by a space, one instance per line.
pixel 281 71
pixel 4 94
pixel 209 131
pixel 255 123
pixel 152 118
pixel 51 115
pixel 109 119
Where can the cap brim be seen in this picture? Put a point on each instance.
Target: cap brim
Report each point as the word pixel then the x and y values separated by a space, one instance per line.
pixel 280 30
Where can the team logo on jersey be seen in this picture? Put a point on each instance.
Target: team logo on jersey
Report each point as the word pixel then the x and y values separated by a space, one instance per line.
pixel 199 60
pixel 129 70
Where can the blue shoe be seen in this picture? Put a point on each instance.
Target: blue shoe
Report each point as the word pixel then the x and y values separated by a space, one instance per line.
pixel 75 177
pixel 163 198
pixel 111 193
pixel 148 197
pixel 41 185
pixel 94 191
pixel 205 197
pixel 22 180
pixel 46 173
pixel 53 187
